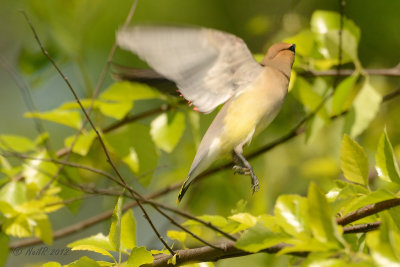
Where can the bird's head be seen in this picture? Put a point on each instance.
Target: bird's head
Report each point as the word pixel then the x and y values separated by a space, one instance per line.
pixel 280 56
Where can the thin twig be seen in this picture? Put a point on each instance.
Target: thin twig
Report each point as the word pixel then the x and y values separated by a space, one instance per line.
pixel 395 72
pixel 191 217
pixel 105 150
pixel 27 96
pixel 95 94
pixel 367 211
pixel 361 228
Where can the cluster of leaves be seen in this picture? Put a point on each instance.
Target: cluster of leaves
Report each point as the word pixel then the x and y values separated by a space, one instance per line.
pixel 120 241
pixel 303 223
pixel 317 49
pixel 307 224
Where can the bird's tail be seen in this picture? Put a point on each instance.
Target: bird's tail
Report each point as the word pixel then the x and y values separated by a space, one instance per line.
pixel 183 190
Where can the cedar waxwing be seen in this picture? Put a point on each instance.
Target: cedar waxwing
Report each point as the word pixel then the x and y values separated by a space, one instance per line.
pixel 211 67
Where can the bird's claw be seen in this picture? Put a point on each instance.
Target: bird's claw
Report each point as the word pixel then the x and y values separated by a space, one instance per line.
pixel 254 184
pixel 241 170
pixel 248 171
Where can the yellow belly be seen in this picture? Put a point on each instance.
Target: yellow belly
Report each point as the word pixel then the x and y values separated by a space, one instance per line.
pixel 257 105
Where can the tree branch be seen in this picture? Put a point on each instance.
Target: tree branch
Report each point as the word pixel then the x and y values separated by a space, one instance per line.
pixel 207 254
pixel 391 72
pixel 368 210
pixel 361 228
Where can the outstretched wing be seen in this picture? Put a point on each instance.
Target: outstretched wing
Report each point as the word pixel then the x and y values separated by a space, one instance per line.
pixel 207 65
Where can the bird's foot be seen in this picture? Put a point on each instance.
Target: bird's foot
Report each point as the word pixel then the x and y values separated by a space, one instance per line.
pixel 241 170
pixel 248 171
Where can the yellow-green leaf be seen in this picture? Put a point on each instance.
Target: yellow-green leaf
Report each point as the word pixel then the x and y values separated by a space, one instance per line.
pixel 98 240
pixel 16 143
pixel 386 164
pixel 14 193
pixel 342 93
pixel 167 129
pixel 177 235
pixel 94 249
pixel 325 25
pixel 291 213
pixel 139 256
pixel 128 230
pixel 259 237
pixel 82 144
pixel 64 117
pixel 4 249
pixel 132 160
pixel 365 107
pixel 43 229
pixel 354 161
pixel 116 110
pixel 84 262
pixel 382 244
pixel 38 172
pixel 115 229
pixel 124 91
pixel 304 41
pixel 51 264
pixel 320 217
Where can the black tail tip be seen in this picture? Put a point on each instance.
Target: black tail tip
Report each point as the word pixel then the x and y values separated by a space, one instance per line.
pixel 182 193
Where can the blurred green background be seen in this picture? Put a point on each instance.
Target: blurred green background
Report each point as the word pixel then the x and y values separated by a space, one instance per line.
pixel 79 35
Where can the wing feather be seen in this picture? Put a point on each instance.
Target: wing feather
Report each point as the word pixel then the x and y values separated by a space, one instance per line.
pixel 208 66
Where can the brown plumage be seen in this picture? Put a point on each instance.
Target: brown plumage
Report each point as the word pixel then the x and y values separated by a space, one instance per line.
pixel 210 68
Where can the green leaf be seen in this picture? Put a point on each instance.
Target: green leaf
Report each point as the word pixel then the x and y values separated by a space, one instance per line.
pixel 215 220
pixel 83 143
pixel 115 229
pixel 16 143
pixel 116 110
pixel 14 193
pixel 304 41
pixel 245 221
pixel 345 193
pixel 342 94
pixel 38 172
pixel 137 136
pixel 354 161
pixel 51 264
pixel 43 229
pixel 291 213
pixel 320 217
pixel 128 228
pixel 373 197
pixel 4 248
pixel 365 107
pixel 172 260
pixel 305 93
pixel 98 240
pixel 84 262
pixel 132 160
pixel 177 235
pixel 259 237
pixel 325 25
pixel 167 129
pixel 18 226
pixel 139 256
pixel 381 243
pixel 386 164
pixel 93 249
pixel 129 91
pixel 64 117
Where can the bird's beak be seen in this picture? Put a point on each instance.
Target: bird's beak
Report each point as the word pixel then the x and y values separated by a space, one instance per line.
pixel 293 48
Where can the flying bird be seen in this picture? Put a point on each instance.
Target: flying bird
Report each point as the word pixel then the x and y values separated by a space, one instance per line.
pixel 211 68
